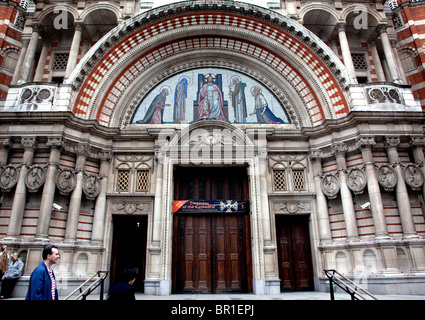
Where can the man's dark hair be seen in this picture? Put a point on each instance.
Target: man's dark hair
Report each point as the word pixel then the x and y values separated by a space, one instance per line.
pixel 48 250
pixel 128 275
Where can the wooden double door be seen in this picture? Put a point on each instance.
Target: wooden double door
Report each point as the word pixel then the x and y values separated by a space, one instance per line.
pixel 294 253
pixel 211 252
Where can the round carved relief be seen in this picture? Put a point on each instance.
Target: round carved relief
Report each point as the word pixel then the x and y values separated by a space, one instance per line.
pixel 91 186
pixel 8 178
pixel 35 178
pixel 65 181
pixel 330 186
pixel 356 180
pixel 413 177
pixel 387 177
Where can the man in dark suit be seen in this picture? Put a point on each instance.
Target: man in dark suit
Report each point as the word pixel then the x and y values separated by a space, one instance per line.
pixel 42 281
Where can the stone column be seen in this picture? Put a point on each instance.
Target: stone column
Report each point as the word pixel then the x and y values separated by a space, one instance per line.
pixel 75 48
pixel 377 61
pixel 389 55
pixel 42 61
pixel 30 55
pixel 4 150
pixel 321 201
pixel 402 195
pixel 46 205
pixel 339 150
pixel 82 150
pixel 345 50
pixel 375 198
pixel 19 200
pixel 100 207
pixel 20 62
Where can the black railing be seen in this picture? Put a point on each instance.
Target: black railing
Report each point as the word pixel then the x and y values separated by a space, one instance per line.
pixel 100 281
pixel 346 285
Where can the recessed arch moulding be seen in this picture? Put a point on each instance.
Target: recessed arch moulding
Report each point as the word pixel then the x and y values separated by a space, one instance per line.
pixel 295 68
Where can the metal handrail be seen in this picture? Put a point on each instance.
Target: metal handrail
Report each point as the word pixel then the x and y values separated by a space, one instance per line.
pixel 347 285
pixel 83 294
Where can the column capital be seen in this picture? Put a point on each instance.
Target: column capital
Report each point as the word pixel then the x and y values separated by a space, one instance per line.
pixel 339 149
pixel 418 142
pixel 4 143
pixel 79 25
pixel 392 142
pixel 55 142
pixel 382 27
pixel 365 143
pixel 340 26
pixel 82 149
pixel 105 155
pixel 315 154
pixel 29 142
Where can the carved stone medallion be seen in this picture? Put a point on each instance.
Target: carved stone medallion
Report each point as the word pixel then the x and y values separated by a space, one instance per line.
pixel 66 181
pixel 330 185
pixel 387 177
pixel 8 178
pixel 91 186
pixel 414 177
pixel 356 180
pixel 35 178
pixel 131 207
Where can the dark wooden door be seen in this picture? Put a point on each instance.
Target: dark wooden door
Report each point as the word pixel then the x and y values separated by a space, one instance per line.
pixel 294 253
pixel 212 253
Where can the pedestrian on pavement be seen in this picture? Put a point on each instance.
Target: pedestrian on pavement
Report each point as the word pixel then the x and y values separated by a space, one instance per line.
pixel 124 291
pixel 42 284
pixel 4 260
pixel 11 276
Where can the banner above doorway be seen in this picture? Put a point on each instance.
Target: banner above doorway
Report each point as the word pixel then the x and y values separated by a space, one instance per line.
pixel 215 206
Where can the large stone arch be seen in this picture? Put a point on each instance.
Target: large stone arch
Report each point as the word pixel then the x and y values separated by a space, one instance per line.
pixel 149 41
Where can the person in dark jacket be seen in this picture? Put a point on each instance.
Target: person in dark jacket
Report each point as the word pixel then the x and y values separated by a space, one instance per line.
pixel 42 284
pixel 123 291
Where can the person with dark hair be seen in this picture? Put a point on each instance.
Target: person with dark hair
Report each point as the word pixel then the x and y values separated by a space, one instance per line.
pixel 123 291
pixel 42 284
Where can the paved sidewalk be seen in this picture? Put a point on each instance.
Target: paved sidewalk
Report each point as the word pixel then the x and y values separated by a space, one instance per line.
pixel 308 295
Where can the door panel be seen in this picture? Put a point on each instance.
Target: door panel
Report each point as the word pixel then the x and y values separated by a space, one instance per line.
pixel 294 253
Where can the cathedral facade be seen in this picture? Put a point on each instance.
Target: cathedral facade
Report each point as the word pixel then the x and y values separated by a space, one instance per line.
pixel 215 146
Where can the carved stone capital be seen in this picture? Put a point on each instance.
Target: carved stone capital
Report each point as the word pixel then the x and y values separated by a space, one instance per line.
pixel 339 149
pixel 418 142
pixel 29 142
pixel 392 142
pixel 55 142
pixel 365 143
pixel 82 149
pixel 105 155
